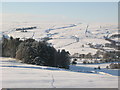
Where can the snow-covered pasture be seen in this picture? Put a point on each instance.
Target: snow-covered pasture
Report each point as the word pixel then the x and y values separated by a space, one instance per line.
pixel 19 75
pixel 69 36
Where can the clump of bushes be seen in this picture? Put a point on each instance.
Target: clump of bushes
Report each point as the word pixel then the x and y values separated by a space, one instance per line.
pixel 35 52
pixel 91 62
pixel 114 66
pixel 74 62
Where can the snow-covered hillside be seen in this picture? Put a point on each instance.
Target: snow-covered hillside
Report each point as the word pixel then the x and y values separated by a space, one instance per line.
pixel 19 75
pixel 73 37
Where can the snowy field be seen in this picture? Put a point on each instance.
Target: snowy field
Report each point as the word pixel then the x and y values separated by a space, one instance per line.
pixel 19 75
pixel 69 36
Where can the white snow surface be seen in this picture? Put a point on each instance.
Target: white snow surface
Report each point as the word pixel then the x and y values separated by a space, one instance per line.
pixel 19 75
pixel 68 36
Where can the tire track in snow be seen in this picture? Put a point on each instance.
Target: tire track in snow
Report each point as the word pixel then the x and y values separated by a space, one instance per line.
pixel 53 80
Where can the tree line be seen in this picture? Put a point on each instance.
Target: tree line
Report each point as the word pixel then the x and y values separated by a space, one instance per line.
pixel 35 52
pixel 98 57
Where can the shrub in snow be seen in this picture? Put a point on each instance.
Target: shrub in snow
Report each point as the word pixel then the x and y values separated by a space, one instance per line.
pixel 85 62
pixel 99 67
pixel 74 62
pixel 114 65
pixel 107 67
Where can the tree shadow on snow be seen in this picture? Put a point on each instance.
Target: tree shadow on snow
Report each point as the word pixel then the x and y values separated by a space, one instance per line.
pixel 78 69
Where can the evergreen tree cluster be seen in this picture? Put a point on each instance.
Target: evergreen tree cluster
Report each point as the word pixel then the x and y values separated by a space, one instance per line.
pixel 35 52
pixel 9 46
